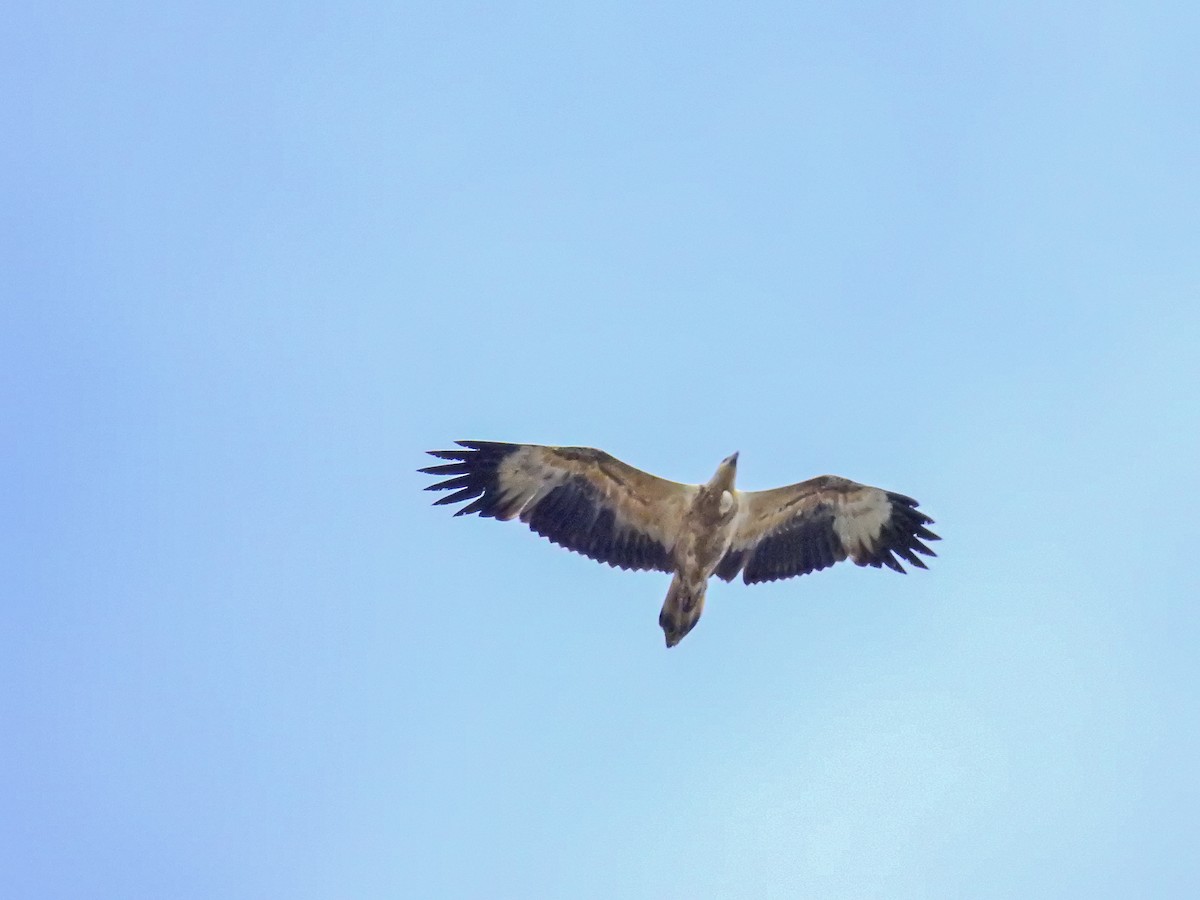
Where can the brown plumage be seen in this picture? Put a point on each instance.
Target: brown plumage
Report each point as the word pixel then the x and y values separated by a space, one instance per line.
pixel 592 503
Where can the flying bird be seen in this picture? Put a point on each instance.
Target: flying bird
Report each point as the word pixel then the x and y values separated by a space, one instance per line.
pixel 592 503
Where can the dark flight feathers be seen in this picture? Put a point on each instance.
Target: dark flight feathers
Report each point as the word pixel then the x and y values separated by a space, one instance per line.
pixel 575 497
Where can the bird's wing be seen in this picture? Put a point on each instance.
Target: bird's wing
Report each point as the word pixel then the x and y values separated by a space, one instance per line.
pixel 579 498
pixel 809 526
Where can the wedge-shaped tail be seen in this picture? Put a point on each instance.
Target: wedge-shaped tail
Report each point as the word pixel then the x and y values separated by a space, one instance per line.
pixel 681 610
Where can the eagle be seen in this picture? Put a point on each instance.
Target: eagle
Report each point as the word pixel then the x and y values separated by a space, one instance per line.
pixel 590 502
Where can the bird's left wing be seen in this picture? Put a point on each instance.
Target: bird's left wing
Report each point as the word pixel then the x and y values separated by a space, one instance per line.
pixel 809 526
pixel 582 499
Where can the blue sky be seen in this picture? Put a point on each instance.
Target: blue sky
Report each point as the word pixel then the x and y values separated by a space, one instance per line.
pixel 258 257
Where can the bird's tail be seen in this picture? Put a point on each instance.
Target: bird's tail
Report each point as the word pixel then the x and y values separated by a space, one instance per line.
pixel 681 610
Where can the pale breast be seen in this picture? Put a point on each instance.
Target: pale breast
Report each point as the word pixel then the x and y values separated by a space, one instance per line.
pixel 708 532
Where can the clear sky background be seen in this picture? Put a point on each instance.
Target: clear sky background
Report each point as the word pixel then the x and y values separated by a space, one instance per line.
pixel 258 257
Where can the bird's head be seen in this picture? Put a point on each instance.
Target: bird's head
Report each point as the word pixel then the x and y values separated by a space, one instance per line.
pixel 726 473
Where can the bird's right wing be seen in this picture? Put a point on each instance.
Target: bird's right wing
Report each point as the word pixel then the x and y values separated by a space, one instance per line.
pixel 582 499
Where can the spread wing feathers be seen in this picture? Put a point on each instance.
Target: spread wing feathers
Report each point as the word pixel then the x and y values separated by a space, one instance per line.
pixel 579 498
pixel 812 525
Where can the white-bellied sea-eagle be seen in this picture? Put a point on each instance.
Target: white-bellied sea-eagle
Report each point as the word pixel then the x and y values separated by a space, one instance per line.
pixel 590 502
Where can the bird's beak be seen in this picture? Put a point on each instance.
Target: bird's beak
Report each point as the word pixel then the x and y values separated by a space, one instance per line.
pixel 732 460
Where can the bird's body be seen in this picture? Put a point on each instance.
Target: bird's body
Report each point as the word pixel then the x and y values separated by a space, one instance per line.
pixel 704 539
pixel 592 503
